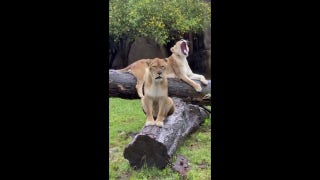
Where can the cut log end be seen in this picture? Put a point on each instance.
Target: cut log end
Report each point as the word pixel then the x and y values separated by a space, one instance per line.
pixel 145 150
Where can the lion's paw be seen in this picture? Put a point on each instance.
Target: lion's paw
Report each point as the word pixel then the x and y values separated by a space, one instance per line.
pixel 198 88
pixel 159 123
pixel 205 82
pixel 150 123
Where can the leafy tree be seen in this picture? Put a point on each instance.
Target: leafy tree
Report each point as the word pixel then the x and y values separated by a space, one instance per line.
pixel 161 20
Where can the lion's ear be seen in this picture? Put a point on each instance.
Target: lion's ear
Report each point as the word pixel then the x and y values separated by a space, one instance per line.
pixel 148 62
pixel 172 49
pixel 166 60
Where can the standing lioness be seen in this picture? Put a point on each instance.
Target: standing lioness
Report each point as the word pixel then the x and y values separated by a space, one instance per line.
pixel 178 67
pixel 155 102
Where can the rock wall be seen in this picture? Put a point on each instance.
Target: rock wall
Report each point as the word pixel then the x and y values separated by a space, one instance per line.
pixel 200 59
pixel 118 54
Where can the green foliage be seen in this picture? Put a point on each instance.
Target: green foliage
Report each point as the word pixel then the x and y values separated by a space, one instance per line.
pixel 162 21
pixel 125 117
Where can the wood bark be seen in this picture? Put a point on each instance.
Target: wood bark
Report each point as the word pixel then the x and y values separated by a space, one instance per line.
pixel 123 85
pixel 154 146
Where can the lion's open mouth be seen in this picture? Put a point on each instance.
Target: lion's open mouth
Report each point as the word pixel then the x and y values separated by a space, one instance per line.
pixel 159 77
pixel 184 48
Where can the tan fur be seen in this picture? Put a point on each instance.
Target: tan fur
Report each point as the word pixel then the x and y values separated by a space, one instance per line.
pixel 178 67
pixel 155 102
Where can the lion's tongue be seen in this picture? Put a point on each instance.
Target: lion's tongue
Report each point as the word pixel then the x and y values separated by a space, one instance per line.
pixel 184 48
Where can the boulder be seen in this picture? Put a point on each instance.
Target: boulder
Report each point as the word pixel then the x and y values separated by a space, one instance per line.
pixel 146 48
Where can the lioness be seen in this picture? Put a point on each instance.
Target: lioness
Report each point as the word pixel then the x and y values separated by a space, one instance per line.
pixel 178 67
pixel 155 102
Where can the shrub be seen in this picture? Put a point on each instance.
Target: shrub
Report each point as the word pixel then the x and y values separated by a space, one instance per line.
pixel 160 20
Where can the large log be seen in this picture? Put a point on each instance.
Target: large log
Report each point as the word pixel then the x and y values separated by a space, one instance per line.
pixel 124 85
pixel 154 146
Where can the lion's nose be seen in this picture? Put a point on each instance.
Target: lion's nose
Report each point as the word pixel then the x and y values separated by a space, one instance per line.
pixel 159 72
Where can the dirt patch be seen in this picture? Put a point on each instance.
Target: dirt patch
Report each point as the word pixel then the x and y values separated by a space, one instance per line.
pixel 203 165
pixel 125 176
pixel 131 134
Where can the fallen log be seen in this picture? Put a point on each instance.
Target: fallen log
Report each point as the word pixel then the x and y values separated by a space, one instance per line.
pixel 154 146
pixel 124 85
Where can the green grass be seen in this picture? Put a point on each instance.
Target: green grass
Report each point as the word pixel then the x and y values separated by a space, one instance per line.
pixel 126 118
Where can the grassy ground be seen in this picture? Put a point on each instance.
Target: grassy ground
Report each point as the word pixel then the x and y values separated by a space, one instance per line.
pixel 127 118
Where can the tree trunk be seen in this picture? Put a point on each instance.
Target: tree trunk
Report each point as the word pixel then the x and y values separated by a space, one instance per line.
pixel 154 146
pixel 124 85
